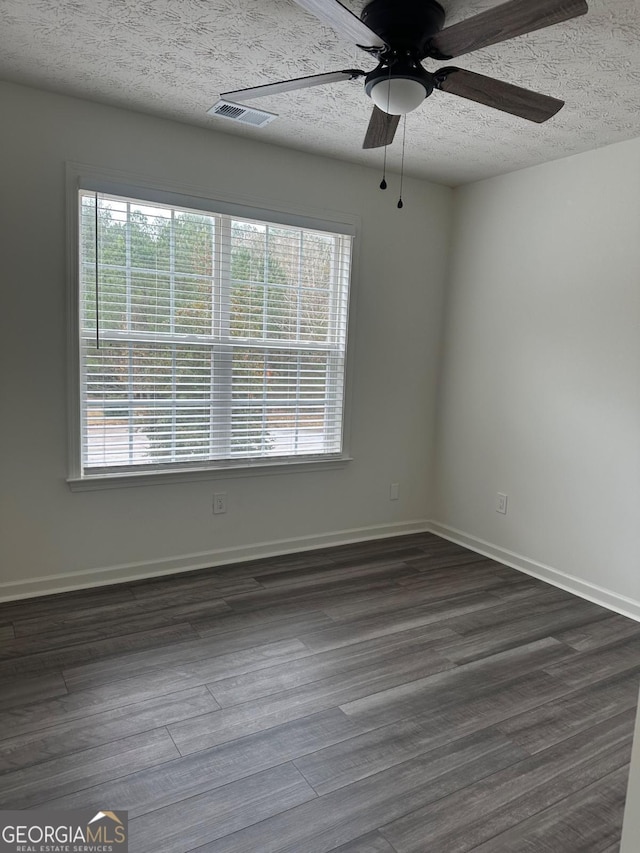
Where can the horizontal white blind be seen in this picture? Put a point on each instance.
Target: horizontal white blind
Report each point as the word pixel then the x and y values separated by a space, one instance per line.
pixel 213 339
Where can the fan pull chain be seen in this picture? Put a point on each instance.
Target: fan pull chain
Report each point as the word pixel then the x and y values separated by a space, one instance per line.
pixel 404 136
pixel 96 273
pixel 383 182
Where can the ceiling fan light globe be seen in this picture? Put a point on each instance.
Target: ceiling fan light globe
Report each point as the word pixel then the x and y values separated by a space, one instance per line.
pixel 398 95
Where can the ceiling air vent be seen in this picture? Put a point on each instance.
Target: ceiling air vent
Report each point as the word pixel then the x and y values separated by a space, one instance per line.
pixel 244 115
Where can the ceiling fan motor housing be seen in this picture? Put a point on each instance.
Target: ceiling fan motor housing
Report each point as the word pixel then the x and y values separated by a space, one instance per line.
pixel 405 25
pixel 400 83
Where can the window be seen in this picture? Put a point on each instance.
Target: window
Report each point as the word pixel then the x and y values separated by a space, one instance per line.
pixel 207 340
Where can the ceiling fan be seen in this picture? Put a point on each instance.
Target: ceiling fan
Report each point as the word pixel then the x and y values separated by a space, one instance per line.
pixel 401 33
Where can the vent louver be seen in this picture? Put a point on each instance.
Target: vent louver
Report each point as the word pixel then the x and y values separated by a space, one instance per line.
pixel 244 115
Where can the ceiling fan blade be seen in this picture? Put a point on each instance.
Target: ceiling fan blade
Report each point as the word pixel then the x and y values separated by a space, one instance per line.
pixel 292 85
pixel 381 130
pixel 343 22
pixel 496 94
pixel 504 22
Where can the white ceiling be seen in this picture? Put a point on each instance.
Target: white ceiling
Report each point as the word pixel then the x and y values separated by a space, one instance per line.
pixel 174 58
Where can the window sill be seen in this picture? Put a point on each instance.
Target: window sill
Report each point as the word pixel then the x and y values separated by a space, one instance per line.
pixel 188 475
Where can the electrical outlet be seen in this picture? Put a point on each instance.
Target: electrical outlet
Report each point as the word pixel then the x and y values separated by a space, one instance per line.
pixel 501 503
pixel 219 503
pixel 394 491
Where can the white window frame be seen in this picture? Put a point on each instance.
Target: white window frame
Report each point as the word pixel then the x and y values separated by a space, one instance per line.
pixel 95 179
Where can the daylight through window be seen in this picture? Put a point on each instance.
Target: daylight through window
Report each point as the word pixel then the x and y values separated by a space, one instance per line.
pixel 214 340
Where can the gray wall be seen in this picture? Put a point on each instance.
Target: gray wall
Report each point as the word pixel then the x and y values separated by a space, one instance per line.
pixel 52 538
pixel 540 384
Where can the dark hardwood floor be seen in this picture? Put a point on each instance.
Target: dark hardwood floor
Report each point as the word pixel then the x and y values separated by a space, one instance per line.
pixel 398 696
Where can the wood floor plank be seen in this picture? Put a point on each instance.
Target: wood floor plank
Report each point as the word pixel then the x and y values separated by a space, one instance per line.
pixel 440 584
pixel 372 842
pixel 159 682
pixel 317 576
pixel 199 657
pixel 599 663
pixel 594 635
pixel 585 822
pixel 389 601
pixel 63 638
pixel 369 753
pixel 277 622
pixel 363 567
pixel 7 632
pixel 431 544
pixel 20 691
pixel 76 772
pixel 195 822
pixel 382 652
pixel 24 750
pixel 46 605
pixel 472 566
pixel 185 777
pixel 193 590
pixel 449 687
pixel 82 619
pixel 76 706
pixel 525 585
pixel 266 565
pixel 526 629
pixel 346 555
pixel 342 816
pixel 324 594
pixel 535 604
pixel 67 656
pixel 462 821
pixel 237 721
pixel 432 562
pixel 580 709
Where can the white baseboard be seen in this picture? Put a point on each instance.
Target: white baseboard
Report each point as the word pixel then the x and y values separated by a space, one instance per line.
pixel 188 562
pixel 599 595
pixel 108 575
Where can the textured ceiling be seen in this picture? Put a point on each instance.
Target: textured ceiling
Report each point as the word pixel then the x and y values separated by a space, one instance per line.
pixel 174 58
